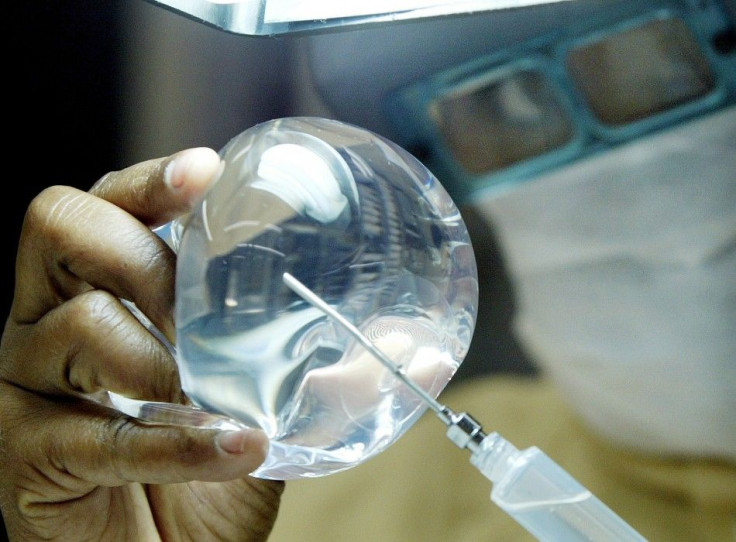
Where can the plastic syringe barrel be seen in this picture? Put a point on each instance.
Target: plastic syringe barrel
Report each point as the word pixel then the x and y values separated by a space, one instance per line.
pixel 542 497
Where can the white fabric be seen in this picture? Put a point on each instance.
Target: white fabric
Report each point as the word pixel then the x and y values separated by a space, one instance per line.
pixel 624 268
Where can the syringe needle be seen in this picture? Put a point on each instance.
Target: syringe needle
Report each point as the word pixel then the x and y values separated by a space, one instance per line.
pixel 309 296
pixel 462 429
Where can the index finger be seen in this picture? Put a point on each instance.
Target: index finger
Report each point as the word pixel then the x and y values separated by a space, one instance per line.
pixel 73 241
pixel 157 191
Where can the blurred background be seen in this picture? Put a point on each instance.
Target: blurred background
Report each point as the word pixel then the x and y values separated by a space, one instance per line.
pixel 97 86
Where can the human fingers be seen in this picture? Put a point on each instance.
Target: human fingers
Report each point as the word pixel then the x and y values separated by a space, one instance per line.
pixel 72 241
pixel 157 191
pixel 88 344
pixel 79 254
pixel 56 451
pixel 68 329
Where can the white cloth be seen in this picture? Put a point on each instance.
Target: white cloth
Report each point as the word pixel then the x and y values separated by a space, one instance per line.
pixel 624 269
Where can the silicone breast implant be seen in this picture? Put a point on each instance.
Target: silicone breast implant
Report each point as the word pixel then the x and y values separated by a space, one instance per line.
pixel 370 230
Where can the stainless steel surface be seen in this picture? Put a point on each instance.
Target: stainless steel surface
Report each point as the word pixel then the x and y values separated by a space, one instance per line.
pixel 273 17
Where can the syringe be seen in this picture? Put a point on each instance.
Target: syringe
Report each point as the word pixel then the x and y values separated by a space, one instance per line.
pixel 527 484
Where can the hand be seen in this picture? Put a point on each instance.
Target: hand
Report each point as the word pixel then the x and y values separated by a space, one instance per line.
pixel 72 468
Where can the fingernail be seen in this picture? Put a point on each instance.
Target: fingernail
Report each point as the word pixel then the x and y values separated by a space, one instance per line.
pixel 233 442
pixel 195 163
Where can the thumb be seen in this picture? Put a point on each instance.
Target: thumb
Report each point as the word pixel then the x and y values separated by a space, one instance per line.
pixel 82 444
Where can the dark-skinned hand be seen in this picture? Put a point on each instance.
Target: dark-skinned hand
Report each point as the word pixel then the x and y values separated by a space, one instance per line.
pixel 71 467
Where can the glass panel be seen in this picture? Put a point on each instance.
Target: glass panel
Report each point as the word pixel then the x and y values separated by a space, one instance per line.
pixel 646 70
pixel 497 123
